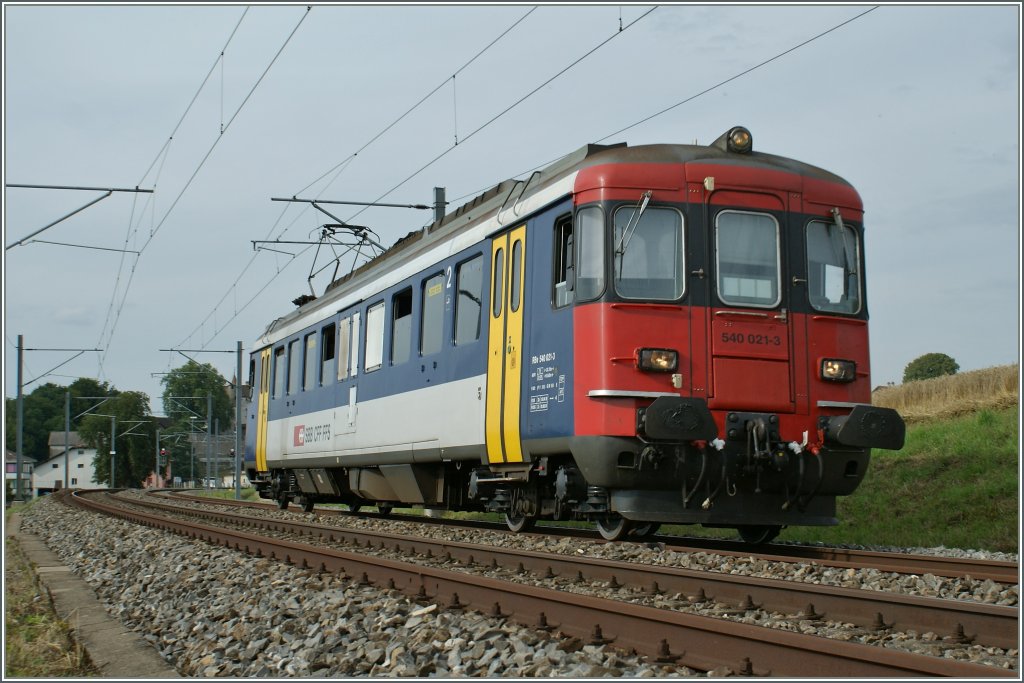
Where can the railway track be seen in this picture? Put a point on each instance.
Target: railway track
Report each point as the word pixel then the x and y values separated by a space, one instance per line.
pixel 668 635
pixel 995 570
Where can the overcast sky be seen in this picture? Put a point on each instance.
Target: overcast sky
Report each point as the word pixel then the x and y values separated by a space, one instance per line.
pixel 918 107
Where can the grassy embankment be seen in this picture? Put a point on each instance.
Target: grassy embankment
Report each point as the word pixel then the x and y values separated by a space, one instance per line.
pixel 37 642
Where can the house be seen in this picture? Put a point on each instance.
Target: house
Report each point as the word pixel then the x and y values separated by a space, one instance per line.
pixel 10 478
pixel 50 474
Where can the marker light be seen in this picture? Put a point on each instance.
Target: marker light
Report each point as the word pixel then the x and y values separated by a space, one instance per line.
pixel 836 370
pixel 657 360
pixel 740 141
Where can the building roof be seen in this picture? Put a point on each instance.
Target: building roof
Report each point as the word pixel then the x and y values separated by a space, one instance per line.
pixel 57 440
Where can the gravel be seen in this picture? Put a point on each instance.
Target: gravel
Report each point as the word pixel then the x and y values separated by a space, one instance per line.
pixel 210 611
pixel 196 603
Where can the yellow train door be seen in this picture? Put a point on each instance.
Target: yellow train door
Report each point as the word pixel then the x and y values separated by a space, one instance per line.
pixel 505 342
pixel 262 409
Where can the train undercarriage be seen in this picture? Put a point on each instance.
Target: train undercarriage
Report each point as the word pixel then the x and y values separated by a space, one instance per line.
pixel 752 481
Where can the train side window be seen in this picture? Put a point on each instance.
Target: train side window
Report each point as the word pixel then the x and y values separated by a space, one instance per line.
pixel 563 263
pixel 294 366
pixel 279 372
pixel 432 323
pixel 748 261
pixel 326 354
pixel 469 284
pixel 374 337
pixel 401 326
pixel 344 341
pixel 833 282
pixel 590 250
pixel 309 364
pixel 515 275
pixel 498 286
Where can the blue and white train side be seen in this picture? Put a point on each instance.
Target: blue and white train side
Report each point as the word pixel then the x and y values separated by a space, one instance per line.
pixel 666 333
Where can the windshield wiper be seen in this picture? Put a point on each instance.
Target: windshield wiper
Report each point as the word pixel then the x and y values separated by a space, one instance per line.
pixel 633 222
pixel 840 227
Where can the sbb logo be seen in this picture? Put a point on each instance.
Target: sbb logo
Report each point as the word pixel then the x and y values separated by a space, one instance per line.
pixel 300 435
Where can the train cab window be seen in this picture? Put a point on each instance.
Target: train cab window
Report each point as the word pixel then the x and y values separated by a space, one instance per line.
pixel 833 282
pixel 432 323
pixel 469 283
pixel 279 372
pixel 374 337
pixel 748 265
pixel 590 248
pixel 309 364
pixel 563 267
pixel 648 257
pixel 326 354
pixel 252 372
pixel 401 326
pixel 294 366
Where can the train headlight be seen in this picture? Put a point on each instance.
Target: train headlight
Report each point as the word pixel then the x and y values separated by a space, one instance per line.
pixel 836 370
pixel 740 141
pixel 658 360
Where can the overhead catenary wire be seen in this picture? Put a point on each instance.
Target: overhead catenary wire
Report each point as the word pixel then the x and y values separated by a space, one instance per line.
pixel 477 130
pixel 192 178
pixel 343 164
pixel 511 106
pixel 690 98
pixel 161 157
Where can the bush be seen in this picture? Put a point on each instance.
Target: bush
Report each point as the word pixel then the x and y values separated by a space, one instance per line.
pixel 928 366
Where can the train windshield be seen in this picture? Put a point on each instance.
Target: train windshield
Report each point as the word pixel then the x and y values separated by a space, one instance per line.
pixel 747 247
pixel 833 252
pixel 649 256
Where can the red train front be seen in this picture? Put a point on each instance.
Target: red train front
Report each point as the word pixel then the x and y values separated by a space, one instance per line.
pixel 720 341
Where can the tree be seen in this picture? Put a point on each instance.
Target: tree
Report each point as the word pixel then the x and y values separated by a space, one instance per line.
pixel 930 365
pixel 184 396
pixel 44 413
pixel 134 433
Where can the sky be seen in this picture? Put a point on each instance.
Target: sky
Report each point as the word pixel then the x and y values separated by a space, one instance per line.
pixel 917 106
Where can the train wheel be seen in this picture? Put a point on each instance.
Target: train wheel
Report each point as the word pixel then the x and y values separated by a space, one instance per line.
pixel 385 509
pixel 354 508
pixel 520 523
pixel 757 534
pixel 307 504
pixel 282 503
pixel 613 527
pixel 645 529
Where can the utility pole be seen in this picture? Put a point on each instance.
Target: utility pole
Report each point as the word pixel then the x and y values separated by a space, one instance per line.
pixel 113 449
pixel 238 424
pixel 156 465
pixel 67 438
pixel 21 425
pixel 209 436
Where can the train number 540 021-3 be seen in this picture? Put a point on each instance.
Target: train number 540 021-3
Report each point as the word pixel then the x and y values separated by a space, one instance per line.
pixel 761 339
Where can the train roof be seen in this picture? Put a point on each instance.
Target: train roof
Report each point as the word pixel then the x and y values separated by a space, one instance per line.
pixel 498 197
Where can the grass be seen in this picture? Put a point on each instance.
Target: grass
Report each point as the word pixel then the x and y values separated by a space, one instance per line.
pixel 955 483
pixel 37 643
pixel 229 494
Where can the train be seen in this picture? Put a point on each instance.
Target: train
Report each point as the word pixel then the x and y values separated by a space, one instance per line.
pixel 632 336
